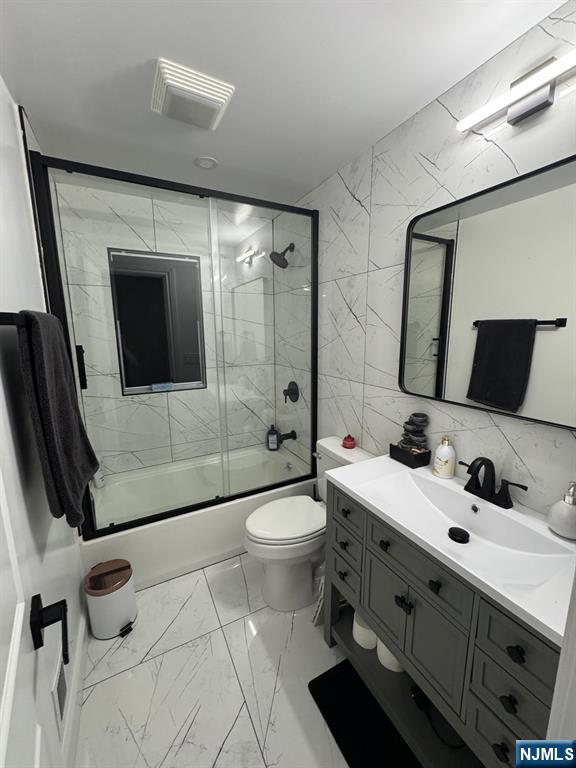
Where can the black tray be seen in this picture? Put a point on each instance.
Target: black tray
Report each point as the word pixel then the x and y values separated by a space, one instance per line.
pixel 412 460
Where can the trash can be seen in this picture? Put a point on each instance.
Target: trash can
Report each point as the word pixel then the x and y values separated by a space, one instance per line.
pixel 109 589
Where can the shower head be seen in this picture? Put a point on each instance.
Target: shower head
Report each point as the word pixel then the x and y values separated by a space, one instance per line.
pixel 279 257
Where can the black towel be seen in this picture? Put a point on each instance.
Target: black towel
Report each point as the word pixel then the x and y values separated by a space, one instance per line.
pixel 67 459
pixel 502 360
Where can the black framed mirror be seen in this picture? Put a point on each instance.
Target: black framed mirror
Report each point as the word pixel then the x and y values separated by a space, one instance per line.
pixel 489 311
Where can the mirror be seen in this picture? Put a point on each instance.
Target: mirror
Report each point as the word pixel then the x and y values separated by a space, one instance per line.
pixel 157 302
pixel 489 315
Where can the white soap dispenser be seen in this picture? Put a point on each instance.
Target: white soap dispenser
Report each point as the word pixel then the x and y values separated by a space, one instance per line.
pixel 444 459
pixel 562 515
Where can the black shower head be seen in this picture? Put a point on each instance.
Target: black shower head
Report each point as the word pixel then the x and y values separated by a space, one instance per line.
pixel 279 257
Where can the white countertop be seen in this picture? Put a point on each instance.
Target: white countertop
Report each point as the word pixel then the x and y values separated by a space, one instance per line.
pixel 543 607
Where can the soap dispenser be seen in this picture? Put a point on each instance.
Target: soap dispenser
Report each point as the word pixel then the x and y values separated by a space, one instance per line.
pixel 562 515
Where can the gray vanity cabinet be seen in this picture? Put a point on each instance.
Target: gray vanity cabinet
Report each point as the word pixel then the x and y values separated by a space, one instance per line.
pixel 383 591
pixel 490 676
pixel 437 648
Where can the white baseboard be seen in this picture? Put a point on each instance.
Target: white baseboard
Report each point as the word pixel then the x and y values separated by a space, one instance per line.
pixel 74 680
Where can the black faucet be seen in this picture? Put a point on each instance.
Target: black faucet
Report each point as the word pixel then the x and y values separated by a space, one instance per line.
pixel 486 489
pixel 288 436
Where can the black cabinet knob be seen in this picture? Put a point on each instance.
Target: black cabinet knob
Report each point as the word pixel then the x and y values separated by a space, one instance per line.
pixel 501 751
pixel 434 586
pixel 343 544
pixel 342 575
pixel 399 600
pixel 408 607
pixel 510 704
pixel 384 545
pixel 345 512
pixel 516 653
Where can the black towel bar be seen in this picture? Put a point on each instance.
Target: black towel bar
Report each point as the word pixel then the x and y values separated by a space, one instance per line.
pixel 560 322
pixel 11 318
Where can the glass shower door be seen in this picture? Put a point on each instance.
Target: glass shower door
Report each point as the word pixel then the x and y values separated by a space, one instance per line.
pixel 138 286
pixel 262 261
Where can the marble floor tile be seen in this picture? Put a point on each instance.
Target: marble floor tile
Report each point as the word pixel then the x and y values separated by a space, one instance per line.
pixel 236 587
pixel 182 709
pixel 169 614
pixel 275 656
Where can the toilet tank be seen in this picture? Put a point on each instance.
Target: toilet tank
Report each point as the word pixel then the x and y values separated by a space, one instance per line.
pixel 331 454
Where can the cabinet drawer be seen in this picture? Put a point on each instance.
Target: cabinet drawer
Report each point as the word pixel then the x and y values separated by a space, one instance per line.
pixel 439 585
pixel 496 744
pixel 347 546
pixel 348 513
pixel 524 714
pixel 382 590
pixel 437 648
pixel 346 580
pixel 522 654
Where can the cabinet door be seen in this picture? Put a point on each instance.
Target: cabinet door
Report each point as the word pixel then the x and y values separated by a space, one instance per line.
pixel 382 591
pixel 437 648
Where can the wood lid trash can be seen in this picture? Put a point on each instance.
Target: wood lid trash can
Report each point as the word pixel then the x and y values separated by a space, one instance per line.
pixel 109 590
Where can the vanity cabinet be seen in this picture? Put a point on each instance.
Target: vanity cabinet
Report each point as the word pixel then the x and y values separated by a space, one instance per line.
pixel 488 675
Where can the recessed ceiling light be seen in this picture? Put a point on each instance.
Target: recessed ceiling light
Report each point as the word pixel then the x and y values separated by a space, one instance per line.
pixel 206 162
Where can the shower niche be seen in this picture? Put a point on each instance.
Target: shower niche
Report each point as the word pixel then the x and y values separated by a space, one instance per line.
pixel 186 311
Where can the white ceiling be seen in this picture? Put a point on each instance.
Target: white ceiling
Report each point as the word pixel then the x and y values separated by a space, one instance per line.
pixel 316 80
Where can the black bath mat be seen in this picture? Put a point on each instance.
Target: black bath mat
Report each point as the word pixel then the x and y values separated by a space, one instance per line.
pixel 365 735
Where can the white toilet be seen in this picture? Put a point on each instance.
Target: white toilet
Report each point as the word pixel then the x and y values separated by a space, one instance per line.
pixel 288 534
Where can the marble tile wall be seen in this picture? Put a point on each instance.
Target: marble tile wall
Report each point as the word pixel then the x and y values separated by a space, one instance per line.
pixel 145 430
pixel 292 329
pixel 364 211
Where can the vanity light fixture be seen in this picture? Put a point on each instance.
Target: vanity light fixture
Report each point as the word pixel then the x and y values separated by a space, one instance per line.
pixel 245 255
pixel 521 89
pixel 250 255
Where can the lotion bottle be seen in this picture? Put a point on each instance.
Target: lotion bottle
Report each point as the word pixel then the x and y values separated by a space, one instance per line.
pixel 562 515
pixel 444 459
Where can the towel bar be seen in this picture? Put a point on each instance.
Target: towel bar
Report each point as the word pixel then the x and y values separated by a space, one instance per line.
pixel 11 318
pixel 559 322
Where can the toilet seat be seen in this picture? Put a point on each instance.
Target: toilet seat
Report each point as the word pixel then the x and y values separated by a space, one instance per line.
pixel 291 520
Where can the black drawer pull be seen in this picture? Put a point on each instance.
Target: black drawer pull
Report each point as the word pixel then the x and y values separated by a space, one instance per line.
pixel 343 544
pixel 516 653
pixel 434 586
pixel 345 512
pixel 384 545
pixel 510 704
pixel 342 575
pixel 399 600
pixel 501 751
pixel 408 607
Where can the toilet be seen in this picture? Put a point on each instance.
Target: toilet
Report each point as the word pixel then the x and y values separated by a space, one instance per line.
pixel 287 535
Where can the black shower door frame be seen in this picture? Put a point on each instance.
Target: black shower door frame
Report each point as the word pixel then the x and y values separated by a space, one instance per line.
pixel 39 166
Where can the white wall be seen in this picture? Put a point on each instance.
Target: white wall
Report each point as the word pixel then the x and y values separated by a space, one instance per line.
pixel 520 261
pixel 49 554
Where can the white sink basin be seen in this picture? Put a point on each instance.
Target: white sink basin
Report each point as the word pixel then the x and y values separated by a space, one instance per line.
pixel 431 504
pixel 510 555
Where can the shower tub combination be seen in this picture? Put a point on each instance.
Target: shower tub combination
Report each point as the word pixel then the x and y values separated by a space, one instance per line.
pixel 189 314
pixel 154 490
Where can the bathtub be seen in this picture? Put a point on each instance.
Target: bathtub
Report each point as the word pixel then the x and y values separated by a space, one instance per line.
pixel 163 549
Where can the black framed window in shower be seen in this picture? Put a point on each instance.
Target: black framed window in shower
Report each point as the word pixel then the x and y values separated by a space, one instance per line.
pixel 41 169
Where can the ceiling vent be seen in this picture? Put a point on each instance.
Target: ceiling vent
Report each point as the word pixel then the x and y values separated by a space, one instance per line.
pixel 189 96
